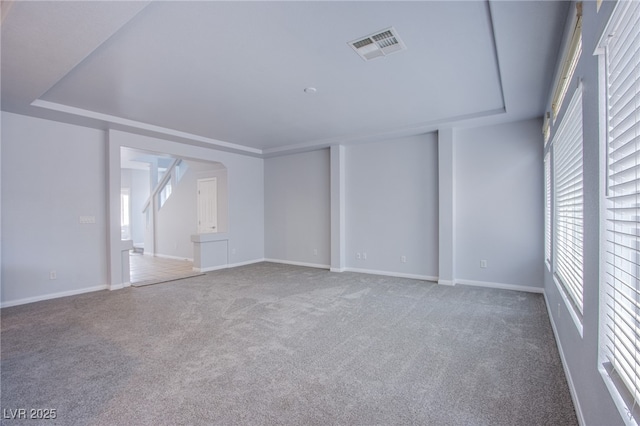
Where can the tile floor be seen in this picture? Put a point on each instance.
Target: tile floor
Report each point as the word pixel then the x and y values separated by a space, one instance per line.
pixel 146 269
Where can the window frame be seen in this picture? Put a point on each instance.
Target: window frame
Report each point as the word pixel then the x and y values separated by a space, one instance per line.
pixel 565 242
pixel 165 193
pixel 548 233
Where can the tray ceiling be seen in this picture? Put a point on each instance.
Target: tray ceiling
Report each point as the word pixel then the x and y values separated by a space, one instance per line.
pixel 233 74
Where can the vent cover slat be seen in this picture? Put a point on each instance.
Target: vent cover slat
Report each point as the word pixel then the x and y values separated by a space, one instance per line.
pixel 382 35
pixel 388 42
pixel 362 43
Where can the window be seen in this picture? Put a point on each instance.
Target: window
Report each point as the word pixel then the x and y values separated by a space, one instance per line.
pixel 165 193
pixel 568 201
pixel 162 170
pixel 621 278
pixel 181 169
pixel 547 209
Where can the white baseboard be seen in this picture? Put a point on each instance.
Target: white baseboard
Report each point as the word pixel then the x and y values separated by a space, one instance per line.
pixel 112 287
pixel 291 262
pixel 118 286
pixel 447 282
pixel 52 296
pixel 393 274
pixel 166 256
pixel 246 262
pixel 337 269
pixel 501 286
pixel 210 268
pixel 230 265
pixel 251 262
pixel 567 373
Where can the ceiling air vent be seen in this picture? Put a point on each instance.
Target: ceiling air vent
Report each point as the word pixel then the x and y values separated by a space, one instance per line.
pixel 378 44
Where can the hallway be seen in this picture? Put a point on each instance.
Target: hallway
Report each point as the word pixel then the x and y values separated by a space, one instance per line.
pixel 147 270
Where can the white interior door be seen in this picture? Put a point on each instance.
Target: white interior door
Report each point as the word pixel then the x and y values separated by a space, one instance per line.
pixel 207 205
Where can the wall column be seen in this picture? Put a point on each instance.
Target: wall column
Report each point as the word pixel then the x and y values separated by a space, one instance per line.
pixel 338 216
pixel 116 247
pixel 447 207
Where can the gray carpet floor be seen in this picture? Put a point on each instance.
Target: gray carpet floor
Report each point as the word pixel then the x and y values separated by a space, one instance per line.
pixel 275 344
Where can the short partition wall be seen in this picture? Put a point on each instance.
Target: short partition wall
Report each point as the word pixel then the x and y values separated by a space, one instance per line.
pixel 210 251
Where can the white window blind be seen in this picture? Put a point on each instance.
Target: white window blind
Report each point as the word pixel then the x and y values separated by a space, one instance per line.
pixel 622 256
pixel 547 208
pixel 568 205
pixel 570 62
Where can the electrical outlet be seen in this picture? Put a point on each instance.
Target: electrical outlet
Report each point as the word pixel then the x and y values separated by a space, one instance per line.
pixel 364 256
pixel 233 251
pixel 403 259
pixel 358 256
pixel 315 252
pixel 53 275
pixel 87 219
pixel 483 263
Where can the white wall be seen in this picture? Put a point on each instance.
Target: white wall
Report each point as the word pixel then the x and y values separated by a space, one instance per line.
pixel 52 174
pixel 297 208
pixel 499 210
pixel 245 188
pixel 137 181
pixel 45 190
pixel 392 206
pixel 177 219
pixel 580 352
